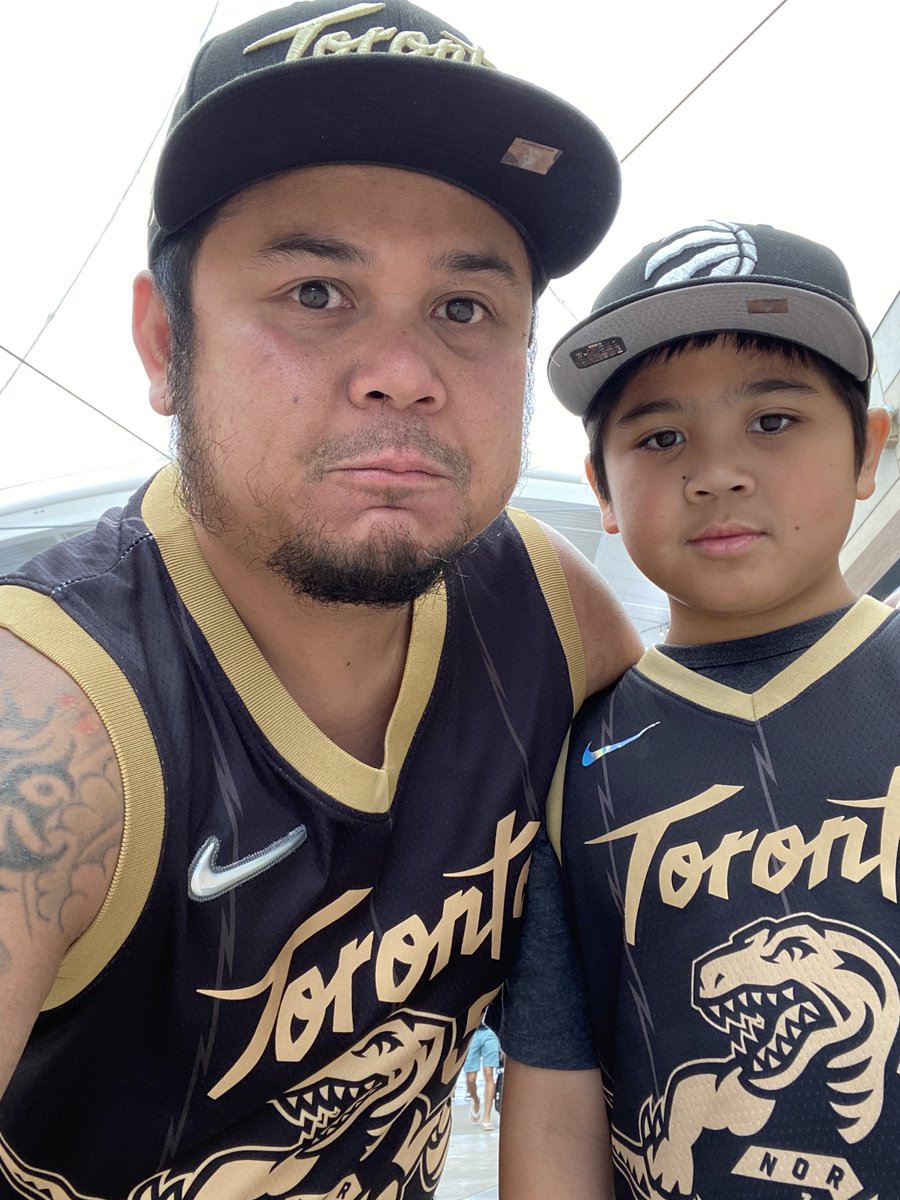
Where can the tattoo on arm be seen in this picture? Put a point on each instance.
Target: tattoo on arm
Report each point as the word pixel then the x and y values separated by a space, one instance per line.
pixel 60 808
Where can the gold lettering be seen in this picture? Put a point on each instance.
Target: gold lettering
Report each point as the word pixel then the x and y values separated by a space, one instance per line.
pixel 506 847
pixel 303 35
pixel 342 43
pixel 784 846
pixel 308 998
pixel 890 832
pixel 339 41
pixel 720 860
pixel 410 42
pixel 648 833
pixel 275 981
pixel 686 863
pixel 409 944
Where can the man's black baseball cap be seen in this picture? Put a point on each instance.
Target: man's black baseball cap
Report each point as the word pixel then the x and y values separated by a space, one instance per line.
pixel 719 276
pixel 392 85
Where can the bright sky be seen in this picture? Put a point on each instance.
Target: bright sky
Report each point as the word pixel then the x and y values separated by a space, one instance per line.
pixel 797 129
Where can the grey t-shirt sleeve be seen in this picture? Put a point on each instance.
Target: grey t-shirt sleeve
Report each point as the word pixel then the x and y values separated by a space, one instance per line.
pixel 544 1012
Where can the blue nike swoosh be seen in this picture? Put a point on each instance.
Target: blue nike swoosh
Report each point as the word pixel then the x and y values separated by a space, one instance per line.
pixel 591 756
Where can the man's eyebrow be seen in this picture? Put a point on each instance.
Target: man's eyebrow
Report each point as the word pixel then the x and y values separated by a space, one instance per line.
pixel 292 245
pixel 467 262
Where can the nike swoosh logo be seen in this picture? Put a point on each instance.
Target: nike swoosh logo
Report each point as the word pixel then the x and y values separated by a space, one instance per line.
pixel 591 756
pixel 207 881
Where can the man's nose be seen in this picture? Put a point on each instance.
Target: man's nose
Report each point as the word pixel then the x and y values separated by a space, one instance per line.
pixel 397 367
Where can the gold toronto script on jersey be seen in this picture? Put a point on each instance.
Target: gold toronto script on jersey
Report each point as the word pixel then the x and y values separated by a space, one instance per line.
pixel 296 1009
pixel 777 856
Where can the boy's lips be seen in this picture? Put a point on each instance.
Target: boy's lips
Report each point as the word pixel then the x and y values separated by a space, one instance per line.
pixel 724 540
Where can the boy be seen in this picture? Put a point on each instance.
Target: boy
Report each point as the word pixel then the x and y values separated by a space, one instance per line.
pixel 731 817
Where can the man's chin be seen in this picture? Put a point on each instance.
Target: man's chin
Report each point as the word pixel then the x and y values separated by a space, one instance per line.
pixel 387 572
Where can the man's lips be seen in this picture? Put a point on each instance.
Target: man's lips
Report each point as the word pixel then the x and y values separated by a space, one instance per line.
pixel 392 469
pixel 720 541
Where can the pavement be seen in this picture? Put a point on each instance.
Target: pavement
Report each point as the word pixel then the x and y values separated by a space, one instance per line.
pixel 471 1170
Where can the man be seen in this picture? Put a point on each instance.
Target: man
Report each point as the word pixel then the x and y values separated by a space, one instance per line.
pixel 276 738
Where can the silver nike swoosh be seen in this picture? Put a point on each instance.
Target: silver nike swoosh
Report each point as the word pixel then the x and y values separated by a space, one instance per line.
pixel 206 881
pixel 591 756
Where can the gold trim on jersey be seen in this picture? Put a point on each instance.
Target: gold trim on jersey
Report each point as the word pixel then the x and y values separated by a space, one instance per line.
pixel 555 800
pixel 866 615
pixel 279 717
pixel 39 621
pixel 553 583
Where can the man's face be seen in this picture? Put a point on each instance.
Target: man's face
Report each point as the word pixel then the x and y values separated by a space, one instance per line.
pixel 353 410
pixel 732 480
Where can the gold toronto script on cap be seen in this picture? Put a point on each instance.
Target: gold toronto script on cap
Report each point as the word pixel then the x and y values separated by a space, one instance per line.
pixel 339 41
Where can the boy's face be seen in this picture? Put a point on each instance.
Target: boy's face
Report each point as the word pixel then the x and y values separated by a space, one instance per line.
pixel 731 479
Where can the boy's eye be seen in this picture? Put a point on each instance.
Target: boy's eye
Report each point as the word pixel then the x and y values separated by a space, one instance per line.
pixel 318 293
pixel 664 439
pixel 462 310
pixel 771 423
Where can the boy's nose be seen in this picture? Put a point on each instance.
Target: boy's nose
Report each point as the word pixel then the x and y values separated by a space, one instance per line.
pixel 717 477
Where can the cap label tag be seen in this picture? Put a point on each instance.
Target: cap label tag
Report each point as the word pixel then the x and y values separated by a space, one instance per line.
pixel 767 306
pixel 315 38
pixel 597 352
pixel 531 156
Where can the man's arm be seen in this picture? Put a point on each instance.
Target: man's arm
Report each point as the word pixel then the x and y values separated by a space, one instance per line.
pixel 611 642
pixel 61 822
pixel 554 1135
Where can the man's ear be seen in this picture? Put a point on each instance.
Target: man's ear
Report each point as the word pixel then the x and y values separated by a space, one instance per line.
pixel 878 430
pixel 150 330
pixel 607 516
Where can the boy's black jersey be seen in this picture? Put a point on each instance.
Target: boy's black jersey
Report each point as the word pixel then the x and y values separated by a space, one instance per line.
pixel 731 866
pixel 296 948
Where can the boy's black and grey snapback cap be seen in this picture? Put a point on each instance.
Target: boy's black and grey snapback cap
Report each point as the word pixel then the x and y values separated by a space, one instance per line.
pixel 387 84
pixel 712 278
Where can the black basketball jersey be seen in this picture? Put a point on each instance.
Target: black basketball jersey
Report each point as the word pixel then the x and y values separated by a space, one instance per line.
pixel 731 866
pixel 277 996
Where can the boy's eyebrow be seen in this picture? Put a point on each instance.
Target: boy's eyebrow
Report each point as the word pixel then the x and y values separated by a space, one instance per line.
pixel 748 391
pixel 762 387
pixel 650 408
pixel 293 245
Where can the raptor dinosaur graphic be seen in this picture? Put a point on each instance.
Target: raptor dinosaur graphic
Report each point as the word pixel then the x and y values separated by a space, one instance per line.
pixel 788 992
pixel 403 1070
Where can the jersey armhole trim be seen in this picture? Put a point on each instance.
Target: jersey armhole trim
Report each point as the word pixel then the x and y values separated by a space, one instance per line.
pixel 42 624
pixel 555 799
pixel 552 580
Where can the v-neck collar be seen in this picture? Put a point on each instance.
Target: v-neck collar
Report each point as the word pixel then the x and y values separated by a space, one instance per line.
pixel 866 615
pixel 278 716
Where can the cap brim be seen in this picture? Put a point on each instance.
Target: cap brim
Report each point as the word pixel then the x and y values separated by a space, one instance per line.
pixel 442 118
pixel 607 340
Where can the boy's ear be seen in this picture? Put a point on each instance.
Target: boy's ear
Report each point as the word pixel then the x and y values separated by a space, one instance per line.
pixel 879 428
pixel 150 330
pixel 607 516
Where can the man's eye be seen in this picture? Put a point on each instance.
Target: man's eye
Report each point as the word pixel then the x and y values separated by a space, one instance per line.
pixel 771 423
pixel 318 293
pixel 665 439
pixel 462 310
